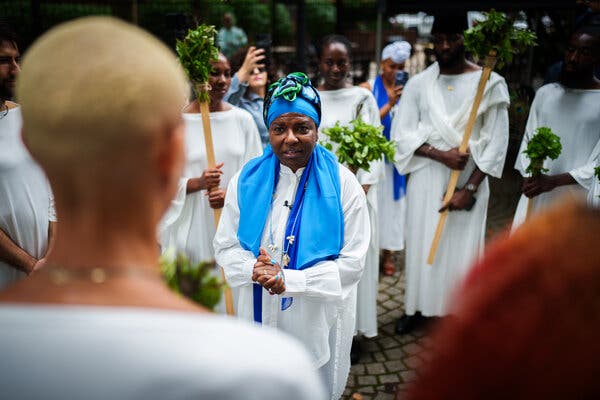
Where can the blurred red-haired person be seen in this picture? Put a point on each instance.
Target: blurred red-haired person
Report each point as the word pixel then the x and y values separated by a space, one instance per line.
pixel 526 322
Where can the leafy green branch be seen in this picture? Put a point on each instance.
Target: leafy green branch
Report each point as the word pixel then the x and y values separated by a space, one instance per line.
pixel 544 144
pixel 196 282
pixel 358 144
pixel 498 35
pixel 195 53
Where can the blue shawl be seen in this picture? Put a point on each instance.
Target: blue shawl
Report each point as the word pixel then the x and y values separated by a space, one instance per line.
pixel 382 98
pixel 319 230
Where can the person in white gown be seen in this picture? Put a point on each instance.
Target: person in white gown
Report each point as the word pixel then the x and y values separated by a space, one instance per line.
pixel 189 225
pixel 97 321
pixel 294 233
pixel 26 212
pixel 433 112
pixel 392 190
pixel 571 108
pixel 342 102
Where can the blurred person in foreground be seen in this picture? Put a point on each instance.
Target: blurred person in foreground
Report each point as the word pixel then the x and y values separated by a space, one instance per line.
pixel 26 211
pixel 294 234
pixel 527 320
pixel 392 191
pixel 97 322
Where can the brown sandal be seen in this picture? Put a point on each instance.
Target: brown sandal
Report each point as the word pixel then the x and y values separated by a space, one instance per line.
pixel 389 268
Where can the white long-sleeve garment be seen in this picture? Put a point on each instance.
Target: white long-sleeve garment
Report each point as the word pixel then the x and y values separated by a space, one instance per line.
pixel 574 116
pixel 322 313
pixel 188 226
pixel 134 353
pixel 343 106
pixel 25 196
pixel 434 109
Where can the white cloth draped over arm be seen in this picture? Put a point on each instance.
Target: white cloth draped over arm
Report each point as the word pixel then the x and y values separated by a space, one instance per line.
pixel 584 174
pixel 489 144
pixel 407 130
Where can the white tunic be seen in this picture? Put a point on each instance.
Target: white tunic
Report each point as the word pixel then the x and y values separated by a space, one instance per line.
pixel 90 352
pixel 188 226
pixel 322 313
pixel 431 113
pixel 25 196
pixel 344 105
pixel 574 116
pixel 593 197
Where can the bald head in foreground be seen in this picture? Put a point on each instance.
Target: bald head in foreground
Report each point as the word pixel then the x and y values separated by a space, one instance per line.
pixel 101 103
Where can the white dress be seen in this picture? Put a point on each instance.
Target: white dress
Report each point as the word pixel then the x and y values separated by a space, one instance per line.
pixel 322 313
pixel 574 116
pixel 432 113
pixel 91 352
pixel 342 105
pixel 392 212
pixel 25 196
pixel 188 225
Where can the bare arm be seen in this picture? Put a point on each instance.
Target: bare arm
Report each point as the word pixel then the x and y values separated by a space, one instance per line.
pixel 14 255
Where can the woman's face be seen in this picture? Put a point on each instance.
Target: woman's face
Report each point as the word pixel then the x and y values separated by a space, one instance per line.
pixel 220 78
pixel 389 69
pixel 334 65
pixel 258 78
pixel 293 138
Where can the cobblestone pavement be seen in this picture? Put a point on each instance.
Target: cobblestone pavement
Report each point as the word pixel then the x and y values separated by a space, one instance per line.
pixel 389 361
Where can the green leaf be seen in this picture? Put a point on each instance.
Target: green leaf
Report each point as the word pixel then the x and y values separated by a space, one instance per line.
pixel 497 33
pixel 544 144
pixel 358 144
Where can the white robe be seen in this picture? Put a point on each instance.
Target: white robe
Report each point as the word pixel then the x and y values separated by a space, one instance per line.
pixel 322 313
pixel 188 225
pixel 574 116
pixel 93 353
pixel 342 105
pixel 431 113
pixel 392 212
pixel 593 197
pixel 25 197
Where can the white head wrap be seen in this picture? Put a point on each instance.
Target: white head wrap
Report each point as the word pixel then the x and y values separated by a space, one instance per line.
pixel 398 51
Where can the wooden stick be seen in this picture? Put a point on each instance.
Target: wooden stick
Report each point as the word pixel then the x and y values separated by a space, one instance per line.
pixel 488 66
pixel 210 157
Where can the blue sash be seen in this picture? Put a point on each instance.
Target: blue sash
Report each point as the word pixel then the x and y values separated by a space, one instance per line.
pixel 382 98
pixel 317 210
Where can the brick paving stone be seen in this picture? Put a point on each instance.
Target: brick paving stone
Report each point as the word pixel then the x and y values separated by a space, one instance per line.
pixel 395 354
pixel 388 342
pixel 375 368
pixel 389 378
pixel 414 362
pixel 413 348
pixel 408 376
pixel 395 366
pixel 370 345
pixel 379 357
pixel 367 380
pixel 357 369
pixel 391 304
pixel 383 396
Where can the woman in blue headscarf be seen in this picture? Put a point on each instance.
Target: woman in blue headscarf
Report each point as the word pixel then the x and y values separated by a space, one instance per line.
pixel 294 233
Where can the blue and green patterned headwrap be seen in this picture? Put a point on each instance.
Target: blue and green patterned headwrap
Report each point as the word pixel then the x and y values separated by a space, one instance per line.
pixel 292 94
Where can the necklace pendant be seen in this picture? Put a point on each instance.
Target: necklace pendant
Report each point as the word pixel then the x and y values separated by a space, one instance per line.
pixel 450 87
pixel 286 260
pixel 291 239
pixel 272 247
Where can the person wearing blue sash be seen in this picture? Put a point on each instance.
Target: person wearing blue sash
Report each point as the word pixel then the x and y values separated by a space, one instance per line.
pixel 391 197
pixel 294 233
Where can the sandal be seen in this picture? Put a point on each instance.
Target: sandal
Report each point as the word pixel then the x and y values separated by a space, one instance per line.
pixel 389 268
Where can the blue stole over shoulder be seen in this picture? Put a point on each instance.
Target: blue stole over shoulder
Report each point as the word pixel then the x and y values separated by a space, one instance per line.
pixel 319 228
pixel 382 98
